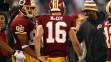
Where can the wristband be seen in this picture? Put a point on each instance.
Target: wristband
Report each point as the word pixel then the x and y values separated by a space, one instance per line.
pixel 81 57
pixel 24 46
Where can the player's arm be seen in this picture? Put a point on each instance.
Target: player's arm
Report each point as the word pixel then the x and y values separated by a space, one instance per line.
pixel 6 46
pixel 38 36
pixel 23 38
pixel 75 42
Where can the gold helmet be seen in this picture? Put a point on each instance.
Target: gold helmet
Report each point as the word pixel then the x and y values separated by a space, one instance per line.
pixel 28 8
pixel 108 8
pixel 57 5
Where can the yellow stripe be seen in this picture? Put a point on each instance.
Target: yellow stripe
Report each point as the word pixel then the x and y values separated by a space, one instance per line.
pixel 74 28
pixel 93 9
pixel 80 19
pixel 20 32
pixel 57 59
pixel 55 3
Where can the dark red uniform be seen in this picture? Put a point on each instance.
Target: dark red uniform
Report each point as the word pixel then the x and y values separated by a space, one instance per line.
pixel 56 32
pixel 23 25
pixel 107 32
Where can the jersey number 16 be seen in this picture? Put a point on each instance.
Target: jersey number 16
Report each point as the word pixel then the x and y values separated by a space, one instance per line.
pixel 57 32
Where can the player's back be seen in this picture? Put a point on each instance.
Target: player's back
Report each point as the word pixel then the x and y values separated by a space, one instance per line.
pixel 56 31
pixel 107 32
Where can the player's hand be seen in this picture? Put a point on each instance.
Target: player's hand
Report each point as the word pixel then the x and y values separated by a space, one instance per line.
pixel 19 54
pixel 44 59
pixel 81 60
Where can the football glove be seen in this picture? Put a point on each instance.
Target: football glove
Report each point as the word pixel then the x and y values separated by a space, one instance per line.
pixel 20 60
pixel 19 54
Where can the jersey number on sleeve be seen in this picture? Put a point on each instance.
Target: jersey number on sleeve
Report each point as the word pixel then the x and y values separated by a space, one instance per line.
pixel 108 37
pixel 57 33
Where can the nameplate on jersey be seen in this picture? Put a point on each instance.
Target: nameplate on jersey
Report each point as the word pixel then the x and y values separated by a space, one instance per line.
pixel 56 18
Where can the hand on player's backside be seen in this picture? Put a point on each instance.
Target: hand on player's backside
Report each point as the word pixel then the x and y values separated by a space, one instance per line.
pixel 44 59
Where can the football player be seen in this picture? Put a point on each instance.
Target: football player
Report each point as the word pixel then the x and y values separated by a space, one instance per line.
pixel 23 28
pixel 55 29
pixel 107 30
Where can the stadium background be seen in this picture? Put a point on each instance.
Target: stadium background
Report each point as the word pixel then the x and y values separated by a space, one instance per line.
pixel 72 6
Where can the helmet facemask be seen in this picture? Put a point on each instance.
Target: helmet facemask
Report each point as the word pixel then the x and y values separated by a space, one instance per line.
pixel 28 10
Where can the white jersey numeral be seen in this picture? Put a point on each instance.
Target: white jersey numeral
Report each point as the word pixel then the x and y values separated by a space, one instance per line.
pixel 58 32
pixel 32 37
pixel 108 37
pixel 50 38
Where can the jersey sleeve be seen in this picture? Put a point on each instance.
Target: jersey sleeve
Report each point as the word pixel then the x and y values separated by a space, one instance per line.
pixel 20 27
pixel 73 24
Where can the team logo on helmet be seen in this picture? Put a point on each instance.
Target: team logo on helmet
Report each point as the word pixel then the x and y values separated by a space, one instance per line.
pixel 28 8
pixel 57 5
pixel 108 8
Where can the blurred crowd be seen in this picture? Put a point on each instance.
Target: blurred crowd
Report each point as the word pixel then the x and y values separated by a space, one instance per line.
pixel 71 5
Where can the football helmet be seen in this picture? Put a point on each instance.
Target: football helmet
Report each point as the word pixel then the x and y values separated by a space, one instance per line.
pixel 108 8
pixel 28 8
pixel 57 5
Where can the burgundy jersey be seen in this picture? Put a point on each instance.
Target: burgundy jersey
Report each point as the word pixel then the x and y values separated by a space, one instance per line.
pixel 107 32
pixel 23 25
pixel 56 32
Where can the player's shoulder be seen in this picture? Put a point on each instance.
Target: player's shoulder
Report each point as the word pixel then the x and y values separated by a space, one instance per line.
pixel 68 18
pixel 19 20
pixel 106 23
pixel 42 16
